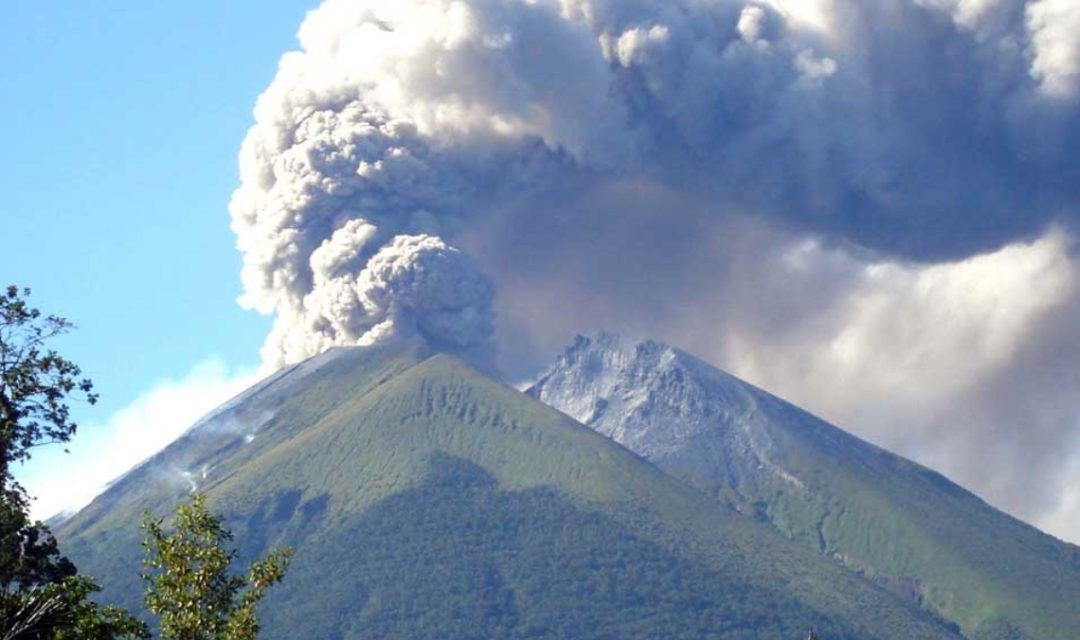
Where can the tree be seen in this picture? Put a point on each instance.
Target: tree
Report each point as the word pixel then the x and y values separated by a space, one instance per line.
pixel 189 584
pixel 35 382
pixel 63 611
pixel 41 595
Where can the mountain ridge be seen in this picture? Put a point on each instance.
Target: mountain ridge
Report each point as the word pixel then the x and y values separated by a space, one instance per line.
pixel 899 523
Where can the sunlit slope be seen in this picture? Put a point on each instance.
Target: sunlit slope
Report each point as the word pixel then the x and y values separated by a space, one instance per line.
pixel 904 526
pixel 429 501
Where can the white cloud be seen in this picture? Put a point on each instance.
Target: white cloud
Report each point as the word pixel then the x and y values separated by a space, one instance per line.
pixel 1055 34
pixel 915 335
pixel 132 434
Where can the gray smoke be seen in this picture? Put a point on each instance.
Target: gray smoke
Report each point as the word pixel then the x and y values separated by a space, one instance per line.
pixel 731 175
pixel 922 129
pixel 413 286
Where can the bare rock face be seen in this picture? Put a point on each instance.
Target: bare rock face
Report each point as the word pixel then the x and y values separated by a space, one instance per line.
pixel 672 409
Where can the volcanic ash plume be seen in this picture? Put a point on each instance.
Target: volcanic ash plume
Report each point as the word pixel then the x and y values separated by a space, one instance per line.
pixel 414 286
pixel 931 130
pixel 337 240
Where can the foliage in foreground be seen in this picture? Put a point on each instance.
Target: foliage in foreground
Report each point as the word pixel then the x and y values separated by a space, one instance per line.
pixel 190 587
pixel 41 595
pixel 35 384
pixel 64 611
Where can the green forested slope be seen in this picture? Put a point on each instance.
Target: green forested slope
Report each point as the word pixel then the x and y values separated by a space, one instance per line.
pixel 425 500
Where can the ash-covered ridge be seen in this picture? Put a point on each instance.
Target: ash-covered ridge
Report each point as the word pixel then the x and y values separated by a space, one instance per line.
pixel 668 407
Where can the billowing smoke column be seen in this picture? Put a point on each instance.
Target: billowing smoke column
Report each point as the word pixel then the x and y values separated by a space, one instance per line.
pixel 925 129
pixel 414 286
pixel 333 219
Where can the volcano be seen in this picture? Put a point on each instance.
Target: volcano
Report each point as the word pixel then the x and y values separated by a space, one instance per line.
pixel 427 500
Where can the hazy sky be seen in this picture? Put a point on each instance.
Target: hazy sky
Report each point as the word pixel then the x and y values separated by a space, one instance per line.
pixel 868 208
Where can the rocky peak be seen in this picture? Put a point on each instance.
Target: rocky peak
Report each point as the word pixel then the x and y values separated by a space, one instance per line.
pixel 648 396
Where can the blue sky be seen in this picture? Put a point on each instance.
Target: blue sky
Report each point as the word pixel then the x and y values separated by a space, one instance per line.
pixel 122 123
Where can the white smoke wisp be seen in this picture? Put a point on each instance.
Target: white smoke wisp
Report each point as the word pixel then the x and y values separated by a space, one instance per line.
pixel 133 434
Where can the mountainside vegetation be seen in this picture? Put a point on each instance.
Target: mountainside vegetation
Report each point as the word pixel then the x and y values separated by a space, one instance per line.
pixel 425 500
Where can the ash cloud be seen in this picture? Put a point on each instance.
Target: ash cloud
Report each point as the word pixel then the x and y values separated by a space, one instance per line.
pixel 925 130
pixel 728 175
pixel 413 286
